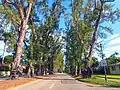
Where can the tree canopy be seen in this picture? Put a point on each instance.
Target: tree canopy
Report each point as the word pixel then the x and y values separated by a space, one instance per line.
pixel 32 32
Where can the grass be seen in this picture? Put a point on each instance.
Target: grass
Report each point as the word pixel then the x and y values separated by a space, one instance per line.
pixel 108 76
pixel 99 79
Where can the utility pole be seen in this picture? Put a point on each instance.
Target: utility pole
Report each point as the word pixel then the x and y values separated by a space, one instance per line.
pixel 104 62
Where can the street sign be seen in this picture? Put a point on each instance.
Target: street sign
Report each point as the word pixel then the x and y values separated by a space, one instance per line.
pixel 103 63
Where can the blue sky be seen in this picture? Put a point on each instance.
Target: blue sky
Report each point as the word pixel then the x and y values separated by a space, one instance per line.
pixel 111 44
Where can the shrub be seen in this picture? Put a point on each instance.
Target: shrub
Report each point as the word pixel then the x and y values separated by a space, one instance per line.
pixel 5 68
pixel 8 59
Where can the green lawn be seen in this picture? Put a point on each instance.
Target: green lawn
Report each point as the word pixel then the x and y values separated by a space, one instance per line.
pixel 113 80
pixel 108 76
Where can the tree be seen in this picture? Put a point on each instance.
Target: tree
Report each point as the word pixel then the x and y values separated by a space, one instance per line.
pixel 94 62
pixel 45 43
pixel 59 62
pixel 6 34
pixel 101 17
pixel 87 25
pixel 18 8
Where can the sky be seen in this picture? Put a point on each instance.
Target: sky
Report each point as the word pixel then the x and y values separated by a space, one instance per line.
pixel 111 44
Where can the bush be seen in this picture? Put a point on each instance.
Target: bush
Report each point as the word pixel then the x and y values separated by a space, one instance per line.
pixel 5 68
pixel 8 59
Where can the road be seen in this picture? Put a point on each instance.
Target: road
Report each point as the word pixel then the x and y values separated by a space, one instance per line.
pixel 61 82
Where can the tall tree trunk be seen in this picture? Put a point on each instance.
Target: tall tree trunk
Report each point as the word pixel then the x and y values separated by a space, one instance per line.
pixel 95 34
pixel 43 65
pixel 30 70
pixel 21 37
pixel 20 43
pixel 4 50
pixel 78 69
pixel 50 66
pixel 22 34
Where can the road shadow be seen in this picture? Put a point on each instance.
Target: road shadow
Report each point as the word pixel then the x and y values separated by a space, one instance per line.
pixel 38 77
pixel 56 79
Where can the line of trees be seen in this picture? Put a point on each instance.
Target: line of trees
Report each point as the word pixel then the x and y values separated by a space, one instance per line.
pixel 89 22
pixel 34 36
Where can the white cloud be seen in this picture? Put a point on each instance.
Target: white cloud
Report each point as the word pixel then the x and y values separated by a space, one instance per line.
pixel 109 39
pixel 114 36
pixel 113 48
pixel 110 50
pixel 114 41
pixel 111 45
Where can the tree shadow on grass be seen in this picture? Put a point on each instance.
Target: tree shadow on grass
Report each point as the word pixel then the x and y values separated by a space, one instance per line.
pixel 107 77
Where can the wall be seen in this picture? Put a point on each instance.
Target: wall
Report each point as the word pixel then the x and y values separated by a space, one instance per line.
pixel 116 71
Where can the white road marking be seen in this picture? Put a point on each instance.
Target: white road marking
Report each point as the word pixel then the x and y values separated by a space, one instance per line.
pixel 51 86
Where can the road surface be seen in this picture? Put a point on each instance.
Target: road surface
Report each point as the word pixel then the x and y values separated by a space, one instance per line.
pixel 61 82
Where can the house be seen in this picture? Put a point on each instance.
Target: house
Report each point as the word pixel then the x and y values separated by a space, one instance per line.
pixel 115 68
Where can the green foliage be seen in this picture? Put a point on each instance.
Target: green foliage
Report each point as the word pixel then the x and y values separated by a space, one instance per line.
pixel 113 59
pixel 11 14
pixel 95 62
pixel 59 62
pixel 8 59
pixel 45 40
pixel 31 61
pixel 81 28
pixel 79 35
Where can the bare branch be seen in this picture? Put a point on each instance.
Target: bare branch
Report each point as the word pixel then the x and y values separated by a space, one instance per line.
pixel 28 11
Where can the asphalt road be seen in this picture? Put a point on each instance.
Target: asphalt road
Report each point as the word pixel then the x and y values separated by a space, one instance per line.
pixel 61 82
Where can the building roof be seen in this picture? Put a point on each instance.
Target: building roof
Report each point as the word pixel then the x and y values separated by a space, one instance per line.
pixel 1 65
pixel 115 64
pixel 118 63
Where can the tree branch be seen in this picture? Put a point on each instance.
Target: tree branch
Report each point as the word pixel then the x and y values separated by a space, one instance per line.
pixel 28 11
pixel 21 12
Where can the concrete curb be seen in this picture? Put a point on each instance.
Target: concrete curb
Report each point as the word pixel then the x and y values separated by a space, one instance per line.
pixel 23 85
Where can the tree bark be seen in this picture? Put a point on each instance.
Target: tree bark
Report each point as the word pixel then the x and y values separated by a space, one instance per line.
pixel 50 66
pixel 20 43
pixel 22 32
pixel 78 69
pixel 30 70
pixel 39 72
